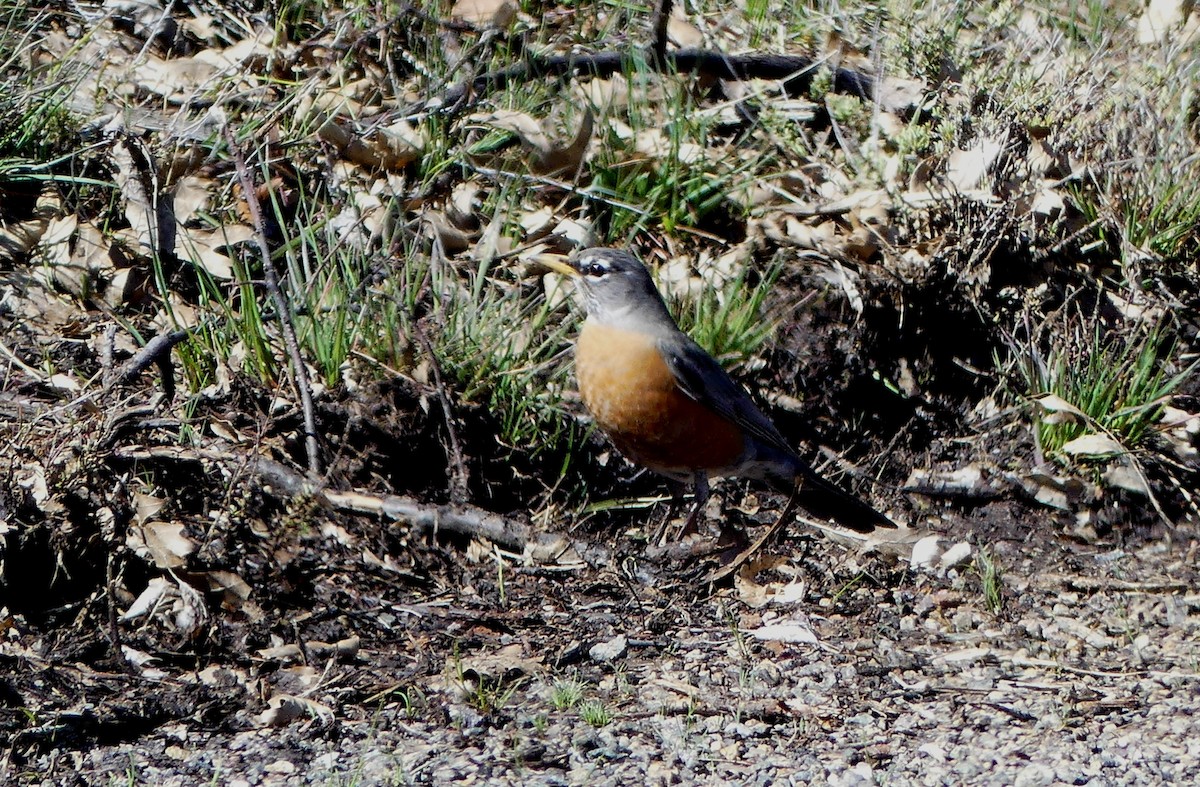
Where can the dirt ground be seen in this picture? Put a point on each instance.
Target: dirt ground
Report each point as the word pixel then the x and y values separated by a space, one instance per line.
pixel 334 648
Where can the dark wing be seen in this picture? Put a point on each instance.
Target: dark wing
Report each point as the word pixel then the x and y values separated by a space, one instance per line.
pixel 702 379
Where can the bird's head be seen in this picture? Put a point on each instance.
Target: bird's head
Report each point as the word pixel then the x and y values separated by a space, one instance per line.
pixel 616 287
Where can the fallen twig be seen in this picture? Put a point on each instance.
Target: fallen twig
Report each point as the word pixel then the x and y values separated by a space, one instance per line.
pixel 157 351
pixel 282 305
pixel 740 559
pixel 458 465
pixel 423 519
pixel 795 71
pixel 662 17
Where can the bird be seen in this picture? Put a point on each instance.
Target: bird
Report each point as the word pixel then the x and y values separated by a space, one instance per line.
pixel 668 405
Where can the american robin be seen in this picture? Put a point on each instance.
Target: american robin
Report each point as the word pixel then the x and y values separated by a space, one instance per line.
pixel 668 405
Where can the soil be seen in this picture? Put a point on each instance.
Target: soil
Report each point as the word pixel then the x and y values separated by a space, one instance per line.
pixel 322 647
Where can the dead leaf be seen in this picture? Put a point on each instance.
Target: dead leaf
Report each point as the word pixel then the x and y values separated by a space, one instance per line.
pixel 462 210
pixel 680 31
pixel 92 267
pixel 146 507
pixel 900 95
pixel 191 196
pixel 179 79
pixel 1047 202
pixel 143 662
pixel 546 156
pixel 1093 446
pixel 191 613
pixel 164 543
pixel 924 553
pixel 536 223
pixel 150 216
pixel 505 665
pixel 966 169
pixel 201 248
pixel 285 708
pixel 957 555
pixel 970 482
pixel 485 13
pixel 1056 405
pixel 1122 476
pixel 157 591
pixel 797 631
pixel 1055 490
pixel 452 239
pixel 18 238
pixel 64 382
pixel 577 233
pixel 174 80
pixel 235 592
pixel 566 160
pixel 345 648
pixel 606 95
pixel 655 144
pixel 32 478
pixel 1162 18
pixel 389 149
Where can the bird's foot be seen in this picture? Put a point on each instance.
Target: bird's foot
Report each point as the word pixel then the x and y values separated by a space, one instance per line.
pixel 694 546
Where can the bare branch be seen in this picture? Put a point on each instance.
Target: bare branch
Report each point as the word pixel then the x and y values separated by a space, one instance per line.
pixel 271 280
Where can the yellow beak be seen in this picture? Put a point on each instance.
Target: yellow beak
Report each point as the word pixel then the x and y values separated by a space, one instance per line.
pixel 557 263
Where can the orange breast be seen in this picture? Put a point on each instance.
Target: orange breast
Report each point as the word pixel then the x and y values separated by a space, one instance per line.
pixel 633 396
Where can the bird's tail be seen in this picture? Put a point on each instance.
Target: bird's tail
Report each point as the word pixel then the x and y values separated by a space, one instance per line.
pixel 825 500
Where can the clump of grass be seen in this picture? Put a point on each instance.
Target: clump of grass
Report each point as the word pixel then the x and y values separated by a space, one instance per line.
pixel 1119 382
pixel 504 350
pixel 595 713
pixel 35 124
pixel 485 694
pixel 729 321
pixel 991 579
pixel 566 694
pixel 676 186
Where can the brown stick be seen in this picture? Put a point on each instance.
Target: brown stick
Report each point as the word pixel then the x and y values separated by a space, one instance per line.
pixel 662 16
pixel 784 516
pixel 271 279
pixel 423 519
pixel 458 474
pixel 796 71
pixel 157 351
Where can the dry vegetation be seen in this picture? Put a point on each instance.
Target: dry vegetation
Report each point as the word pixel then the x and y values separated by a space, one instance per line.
pixel 294 487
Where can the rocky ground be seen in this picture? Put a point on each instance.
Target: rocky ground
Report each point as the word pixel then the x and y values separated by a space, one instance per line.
pixel 820 664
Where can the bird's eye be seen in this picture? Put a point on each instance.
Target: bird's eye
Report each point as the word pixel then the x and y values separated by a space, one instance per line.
pixel 594 269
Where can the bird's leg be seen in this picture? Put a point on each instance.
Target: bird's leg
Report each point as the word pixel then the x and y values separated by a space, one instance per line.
pixel 736 561
pixel 700 484
pixel 678 490
pixel 701 491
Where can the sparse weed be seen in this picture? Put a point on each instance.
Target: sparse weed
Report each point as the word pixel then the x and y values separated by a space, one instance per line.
pixel 739 636
pixel 1091 23
pixel 489 696
pixel 1119 382
pixel 595 713
pixel 991 580
pixel 412 700
pixel 848 587
pixel 566 693
pixel 729 322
